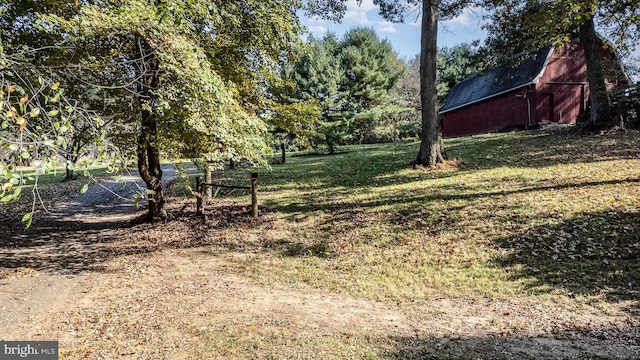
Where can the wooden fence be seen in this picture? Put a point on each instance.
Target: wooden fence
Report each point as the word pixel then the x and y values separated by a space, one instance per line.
pixel 201 188
pixel 626 105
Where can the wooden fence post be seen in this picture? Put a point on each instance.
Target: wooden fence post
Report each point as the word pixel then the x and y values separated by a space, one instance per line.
pixel 199 195
pixel 254 193
pixel 206 192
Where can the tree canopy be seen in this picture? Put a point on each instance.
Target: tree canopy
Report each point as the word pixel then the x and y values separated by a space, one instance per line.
pixel 349 79
pixel 195 72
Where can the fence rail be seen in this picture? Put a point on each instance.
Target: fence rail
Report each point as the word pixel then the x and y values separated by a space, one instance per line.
pixel 626 104
pixel 202 186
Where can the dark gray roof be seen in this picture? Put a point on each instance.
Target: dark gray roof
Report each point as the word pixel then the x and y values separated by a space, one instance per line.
pixel 500 80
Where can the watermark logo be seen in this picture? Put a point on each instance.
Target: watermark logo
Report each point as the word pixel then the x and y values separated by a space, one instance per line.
pixel 29 350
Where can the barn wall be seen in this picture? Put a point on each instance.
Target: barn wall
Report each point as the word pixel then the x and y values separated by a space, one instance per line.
pixel 490 115
pixel 560 95
pixel 562 92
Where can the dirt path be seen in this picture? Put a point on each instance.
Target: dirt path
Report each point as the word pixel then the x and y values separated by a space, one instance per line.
pixel 40 267
pixel 108 289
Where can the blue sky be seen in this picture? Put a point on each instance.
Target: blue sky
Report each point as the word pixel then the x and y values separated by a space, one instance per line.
pixel 405 38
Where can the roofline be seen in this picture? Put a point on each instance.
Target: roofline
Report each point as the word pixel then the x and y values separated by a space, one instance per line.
pixel 487 97
pixel 534 81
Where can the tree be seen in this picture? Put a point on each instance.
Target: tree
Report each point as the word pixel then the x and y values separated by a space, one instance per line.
pixel 431 150
pixel 194 71
pixel 370 71
pixel 350 80
pixel 315 78
pixel 36 124
pixel 27 42
pixel 520 26
pixel 455 64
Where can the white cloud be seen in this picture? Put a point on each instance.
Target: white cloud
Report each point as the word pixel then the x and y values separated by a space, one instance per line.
pixel 359 13
pixel 468 16
pixel 317 29
pixel 386 27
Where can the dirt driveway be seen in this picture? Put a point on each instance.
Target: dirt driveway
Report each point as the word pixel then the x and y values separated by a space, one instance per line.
pixel 105 287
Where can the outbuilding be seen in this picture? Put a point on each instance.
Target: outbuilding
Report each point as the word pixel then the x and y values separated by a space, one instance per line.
pixel 548 86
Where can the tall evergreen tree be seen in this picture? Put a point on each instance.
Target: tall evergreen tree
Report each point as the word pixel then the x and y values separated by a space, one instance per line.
pixel 371 70
pixel 316 77
pixel 350 79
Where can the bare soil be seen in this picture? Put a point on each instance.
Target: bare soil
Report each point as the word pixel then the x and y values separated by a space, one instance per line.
pixel 108 287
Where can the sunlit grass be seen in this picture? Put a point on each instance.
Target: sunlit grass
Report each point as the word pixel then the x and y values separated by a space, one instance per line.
pixel 526 214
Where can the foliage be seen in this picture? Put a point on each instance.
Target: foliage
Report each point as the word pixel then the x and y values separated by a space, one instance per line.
pixel 38 122
pixel 27 41
pixel 195 72
pixel 371 71
pixel 350 81
pixel 516 26
pixel 455 64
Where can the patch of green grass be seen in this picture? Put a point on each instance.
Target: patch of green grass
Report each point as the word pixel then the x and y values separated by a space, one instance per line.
pixel 526 214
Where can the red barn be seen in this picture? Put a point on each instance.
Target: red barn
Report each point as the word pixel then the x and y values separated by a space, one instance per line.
pixel 549 86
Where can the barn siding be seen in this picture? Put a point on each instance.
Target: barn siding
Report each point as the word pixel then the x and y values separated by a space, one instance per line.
pixel 491 115
pixel 565 79
pixel 560 95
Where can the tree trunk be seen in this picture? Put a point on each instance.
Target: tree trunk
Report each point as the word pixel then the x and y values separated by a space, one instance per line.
pixel 148 154
pixel 72 158
pixel 283 151
pixel 430 139
pixel 600 114
pixel 69 174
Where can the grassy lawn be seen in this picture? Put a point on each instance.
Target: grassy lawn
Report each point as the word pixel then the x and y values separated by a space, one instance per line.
pixel 522 215
pixel 525 246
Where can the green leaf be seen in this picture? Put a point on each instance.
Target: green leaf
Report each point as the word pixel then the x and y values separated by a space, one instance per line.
pixel 53 113
pixel 16 194
pixel 84 189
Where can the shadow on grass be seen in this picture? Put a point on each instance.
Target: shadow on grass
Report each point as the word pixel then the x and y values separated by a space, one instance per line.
pixel 564 346
pixel 589 254
pixel 445 193
pixel 73 246
pixel 541 148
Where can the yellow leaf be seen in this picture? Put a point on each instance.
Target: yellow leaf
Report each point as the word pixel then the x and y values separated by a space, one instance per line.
pixel 10 88
pixel 24 99
pixel 9 114
pixel 20 120
pixel 23 126
pixel 55 86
